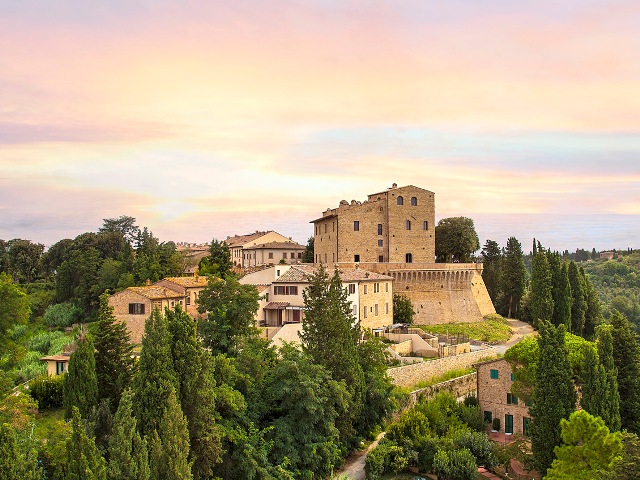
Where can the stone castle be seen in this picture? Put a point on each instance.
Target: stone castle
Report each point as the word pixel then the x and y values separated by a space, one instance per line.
pixel 393 233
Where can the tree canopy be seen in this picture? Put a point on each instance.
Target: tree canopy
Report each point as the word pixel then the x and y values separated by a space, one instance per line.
pixel 456 240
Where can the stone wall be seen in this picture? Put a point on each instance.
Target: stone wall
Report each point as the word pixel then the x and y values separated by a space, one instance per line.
pixel 459 387
pixel 403 348
pixel 409 375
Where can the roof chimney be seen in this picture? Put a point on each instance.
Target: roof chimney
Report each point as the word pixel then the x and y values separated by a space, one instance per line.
pixel 395 185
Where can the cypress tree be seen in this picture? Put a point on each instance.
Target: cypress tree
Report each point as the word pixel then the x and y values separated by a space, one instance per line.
pixel 626 356
pixel 491 268
pixel 114 354
pixel 594 385
pixel 128 456
pixel 156 378
pixel 84 462
pixel 554 395
pixel 592 316
pixel 541 300
pixel 579 306
pixel 512 278
pixel 17 463
pixel 81 383
pixel 611 410
pixel 562 299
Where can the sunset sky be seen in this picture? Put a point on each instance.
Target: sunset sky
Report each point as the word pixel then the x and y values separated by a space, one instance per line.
pixel 207 119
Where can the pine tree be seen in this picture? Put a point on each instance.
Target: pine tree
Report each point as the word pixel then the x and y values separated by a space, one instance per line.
pixel 512 278
pixel 128 456
pixel 174 449
pixel 611 410
pixel 17 462
pixel 626 355
pixel 84 462
pixel 541 300
pixel 114 354
pixel 156 378
pixel 554 395
pixel 330 336
pixel 81 383
pixel 579 306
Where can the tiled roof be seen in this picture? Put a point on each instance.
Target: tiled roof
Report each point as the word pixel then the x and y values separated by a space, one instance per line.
pixel 301 273
pixel 154 292
pixel 189 282
pixel 276 305
pixel 261 288
pixel 238 240
pixel 56 358
pixel 278 245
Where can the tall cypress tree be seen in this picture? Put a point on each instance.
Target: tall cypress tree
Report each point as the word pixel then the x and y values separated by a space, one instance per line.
pixel 84 462
pixel 541 299
pixel 128 457
pixel 512 278
pixel 174 449
pixel 330 335
pixel 592 316
pixel 491 268
pixel 114 354
pixel 17 463
pixel 561 292
pixel 554 395
pixel 594 385
pixel 156 378
pixel 81 383
pixel 626 356
pixel 579 306
pixel 611 410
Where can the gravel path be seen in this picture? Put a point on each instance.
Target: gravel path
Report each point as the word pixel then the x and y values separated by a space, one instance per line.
pixel 354 468
pixel 520 330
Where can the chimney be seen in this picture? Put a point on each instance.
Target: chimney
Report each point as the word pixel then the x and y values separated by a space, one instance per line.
pixel 395 185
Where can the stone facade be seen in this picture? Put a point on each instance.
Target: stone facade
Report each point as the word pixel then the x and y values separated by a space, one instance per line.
pixel 254 249
pixel 458 387
pixel 190 287
pixel 494 380
pixel 409 375
pixel 397 225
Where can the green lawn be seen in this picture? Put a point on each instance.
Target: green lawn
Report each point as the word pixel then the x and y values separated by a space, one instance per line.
pixel 494 329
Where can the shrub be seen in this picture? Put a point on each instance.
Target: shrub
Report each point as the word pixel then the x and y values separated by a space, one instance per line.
pixel 455 465
pixel 62 315
pixel 50 343
pixel 479 445
pixel 47 391
pixel 426 451
pixel 471 401
pixel 472 416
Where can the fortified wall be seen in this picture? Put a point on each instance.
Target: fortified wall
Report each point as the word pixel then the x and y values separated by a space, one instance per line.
pixel 439 292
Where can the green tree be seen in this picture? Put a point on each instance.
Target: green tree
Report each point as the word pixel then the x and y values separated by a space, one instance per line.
pixel 218 262
pixel 114 354
pixel 81 383
pixel 402 309
pixel 231 308
pixel 18 460
pixel 455 465
pixel 155 379
pixel 594 385
pixel 512 278
pixel 308 255
pixel 456 240
pixel 128 457
pixel 15 307
pixel 589 450
pixel 628 465
pixel 592 315
pixel 626 355
pixel 84 462
pixel 541 298
pixel 124 225
pixel 492 268
pixel 330 336
pixel 24 259
pixel 611 410
pixel 561 291
pixel 579 305
pixel 554 395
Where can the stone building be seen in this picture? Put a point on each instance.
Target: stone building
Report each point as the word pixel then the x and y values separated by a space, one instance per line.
pixel 494 380
pixel 263 248
pixel 396 225
pixel 189 287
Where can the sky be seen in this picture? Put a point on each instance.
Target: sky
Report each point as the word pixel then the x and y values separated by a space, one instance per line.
pixel 207 119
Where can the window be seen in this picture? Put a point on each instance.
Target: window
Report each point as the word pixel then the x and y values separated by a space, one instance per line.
pixel 364 290
pixel 408 258
pixel 325 228
pixel 365 311
pixel 136 309
pixel 376 310
pixel 408 224
pixel 508 424
pixel 293 290
pixel 352 288
pixel 279 290
pixel 488 417
pixel 379 229
pixel 356 258
pixel 187 300
pixel 386 308
pixel 494 374
pixel 356 225
pixel 60 367
pixel 512 399
pixel 277 273
pixel 414 202
pixel 376 287
pixel 299 254
pixel 379 243
pixel 380 258
pixel 400 201
pixel 284 255
pixel 271 255
pixel 512 377
pixel 529 403
pixel 386 287
pixel 425 225
pixel 355 310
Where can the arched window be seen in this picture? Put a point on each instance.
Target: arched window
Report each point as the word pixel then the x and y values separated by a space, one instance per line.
pixel 425 225
pixel 408 258
pixel 414 201
pixel 400 200
pixel 408 225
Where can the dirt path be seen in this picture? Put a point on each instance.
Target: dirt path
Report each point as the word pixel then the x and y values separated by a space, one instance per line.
pixel 354 469
pixel 520 330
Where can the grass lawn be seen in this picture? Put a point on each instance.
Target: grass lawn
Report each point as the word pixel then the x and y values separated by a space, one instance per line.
pixel 493 329
pixel 46 422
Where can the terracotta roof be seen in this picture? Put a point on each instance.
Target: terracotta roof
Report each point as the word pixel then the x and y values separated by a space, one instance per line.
pixel 261 288
pixel 278 245
pixel 301 273
pixel 189 282
pixel 276 305
pixel 154 292
pixel 239 240
pixel 56 358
